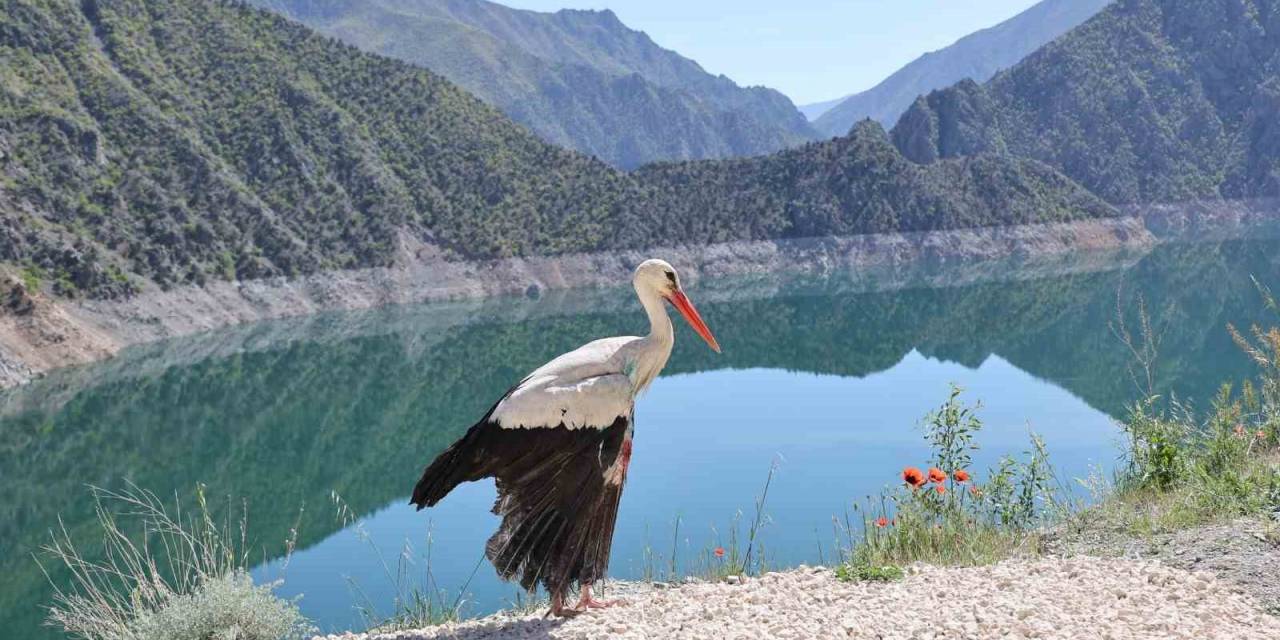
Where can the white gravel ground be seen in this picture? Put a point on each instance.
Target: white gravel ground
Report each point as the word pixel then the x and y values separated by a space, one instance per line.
pixel 1078 597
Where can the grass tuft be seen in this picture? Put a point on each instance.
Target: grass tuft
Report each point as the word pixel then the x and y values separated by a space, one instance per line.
pixel 1183 469
pixel 170 576
pixel 867 573
pixel 419 600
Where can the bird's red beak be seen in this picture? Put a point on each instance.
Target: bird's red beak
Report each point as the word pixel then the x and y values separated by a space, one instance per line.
pixel 685 306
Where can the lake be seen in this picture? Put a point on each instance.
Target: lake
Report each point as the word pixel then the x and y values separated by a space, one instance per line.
pixel 828 378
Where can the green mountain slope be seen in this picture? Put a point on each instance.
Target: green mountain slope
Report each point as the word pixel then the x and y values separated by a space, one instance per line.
pixel 977 56
pixel 179 141
pixel 1152 100
pixel 580 79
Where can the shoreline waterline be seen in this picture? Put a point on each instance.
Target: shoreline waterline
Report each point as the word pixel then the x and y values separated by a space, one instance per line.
pixel 53 334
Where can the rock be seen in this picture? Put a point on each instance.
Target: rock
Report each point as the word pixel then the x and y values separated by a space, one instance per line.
pixel 18 300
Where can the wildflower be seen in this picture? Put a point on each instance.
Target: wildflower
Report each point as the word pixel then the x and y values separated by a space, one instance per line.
pixel 882 522
pixel 719 552
pixel 975 491
pixel 960 475
pixel 940 488
pixel 1262 435
pixel 1239 431
pixel 937 475
pixel 913 477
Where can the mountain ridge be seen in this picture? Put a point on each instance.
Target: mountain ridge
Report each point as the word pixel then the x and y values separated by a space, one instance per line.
pixel 579 78
pixel 977 56
pixel 1151 100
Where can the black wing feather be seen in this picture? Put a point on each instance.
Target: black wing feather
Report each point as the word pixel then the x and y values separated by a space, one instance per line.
pixel 558 510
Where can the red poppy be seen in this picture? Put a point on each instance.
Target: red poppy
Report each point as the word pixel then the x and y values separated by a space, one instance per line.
pixel 940 488
pixel 882 522
pixel 937 475
pixel 960 475
pixel 913 477
pixel 719 552
pixel 975 491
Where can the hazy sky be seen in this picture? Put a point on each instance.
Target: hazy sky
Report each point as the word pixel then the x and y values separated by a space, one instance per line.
pixel 808 49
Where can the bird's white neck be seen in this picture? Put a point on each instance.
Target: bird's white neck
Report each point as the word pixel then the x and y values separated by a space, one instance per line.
pixel 655 347
pixel 660 328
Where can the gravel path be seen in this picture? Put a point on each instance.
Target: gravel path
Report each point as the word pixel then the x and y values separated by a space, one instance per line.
pixel 1080 597
pixel 1244 553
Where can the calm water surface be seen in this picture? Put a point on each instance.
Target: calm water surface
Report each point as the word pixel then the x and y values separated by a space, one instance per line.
pixel 828 377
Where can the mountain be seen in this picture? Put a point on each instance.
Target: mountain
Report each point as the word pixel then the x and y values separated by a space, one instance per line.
pixel 167 142
pixel 977 56
pixel 579 79
pixel 814 110
pixel 1151 100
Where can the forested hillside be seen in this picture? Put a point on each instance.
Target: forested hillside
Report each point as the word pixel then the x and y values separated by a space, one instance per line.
pixel 579 79
pixel 177 141
pixel 977 56
pixel 1152 100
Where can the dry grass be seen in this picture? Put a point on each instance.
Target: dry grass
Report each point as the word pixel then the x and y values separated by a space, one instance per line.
pixel 165 576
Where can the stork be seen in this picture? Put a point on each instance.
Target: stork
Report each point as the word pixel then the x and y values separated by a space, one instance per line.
pixel 559 444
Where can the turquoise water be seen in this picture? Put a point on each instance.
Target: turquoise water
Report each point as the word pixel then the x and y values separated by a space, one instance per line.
pixel 828 378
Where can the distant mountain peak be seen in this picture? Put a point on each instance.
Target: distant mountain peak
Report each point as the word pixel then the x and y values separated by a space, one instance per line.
pixel 1150 100
pixel 978 55
pixel 571 76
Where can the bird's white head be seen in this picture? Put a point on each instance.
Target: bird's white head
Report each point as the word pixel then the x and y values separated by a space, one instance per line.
pixel 657 278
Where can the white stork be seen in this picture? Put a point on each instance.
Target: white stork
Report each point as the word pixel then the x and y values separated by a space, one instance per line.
pixel 559 444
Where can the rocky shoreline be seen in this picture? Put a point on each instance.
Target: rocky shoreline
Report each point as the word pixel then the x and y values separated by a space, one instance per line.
pixel 1072 597
pixel 39 334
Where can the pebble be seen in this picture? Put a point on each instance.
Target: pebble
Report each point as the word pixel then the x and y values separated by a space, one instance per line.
pixel 1079 597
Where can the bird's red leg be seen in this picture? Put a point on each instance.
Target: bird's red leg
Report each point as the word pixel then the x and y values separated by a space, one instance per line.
pixel 588 602
pixel 558 609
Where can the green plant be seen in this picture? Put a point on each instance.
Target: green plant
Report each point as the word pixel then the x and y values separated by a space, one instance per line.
pixel 1183 469
pixel 868 573
pixel 1263 347
pixel 32 276
pixel 740 555
pixel 944 515
pixel 950 431
pixel 1158 446
pixel 229 607
pixel 419 600
pixel 169 577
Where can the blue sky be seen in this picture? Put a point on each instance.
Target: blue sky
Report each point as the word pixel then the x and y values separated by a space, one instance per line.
pixel 808 49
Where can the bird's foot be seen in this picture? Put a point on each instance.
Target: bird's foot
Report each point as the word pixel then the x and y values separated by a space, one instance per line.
pixel 559 610
pixel 588 602
pixel 562 612
pixel 592 603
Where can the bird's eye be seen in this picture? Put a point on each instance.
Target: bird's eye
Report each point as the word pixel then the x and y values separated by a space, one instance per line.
pixel 671 276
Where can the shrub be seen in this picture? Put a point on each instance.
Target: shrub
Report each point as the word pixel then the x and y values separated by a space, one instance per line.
pixel 1158 445
pixel 1182 469
pixel 228 607
pixel 168 578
